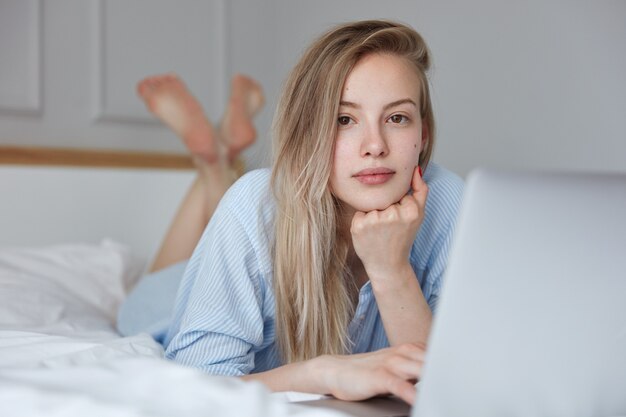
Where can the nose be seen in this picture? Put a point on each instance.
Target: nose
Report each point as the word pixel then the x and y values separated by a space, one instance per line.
pixel 374 143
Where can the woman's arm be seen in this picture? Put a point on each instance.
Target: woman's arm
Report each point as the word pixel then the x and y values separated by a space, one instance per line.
pixel 383 240
pixel 406 316
pixel 219 318
pixel 351 377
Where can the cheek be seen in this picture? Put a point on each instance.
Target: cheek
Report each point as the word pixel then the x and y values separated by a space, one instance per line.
pixel 338 167
pixel 412 149
pixel 411 140
pixel 410 158
pixel 342 156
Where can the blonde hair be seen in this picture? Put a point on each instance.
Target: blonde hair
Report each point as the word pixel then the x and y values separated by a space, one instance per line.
pixel 312 282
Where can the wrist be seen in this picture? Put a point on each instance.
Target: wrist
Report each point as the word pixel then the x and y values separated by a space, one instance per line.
pixel 322 373
pixel 393 279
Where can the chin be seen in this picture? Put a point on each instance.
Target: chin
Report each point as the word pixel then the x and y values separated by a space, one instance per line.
pixel 371 204
pixel 367 200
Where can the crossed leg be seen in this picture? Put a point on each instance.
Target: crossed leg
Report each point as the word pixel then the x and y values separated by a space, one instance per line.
pixel 214 153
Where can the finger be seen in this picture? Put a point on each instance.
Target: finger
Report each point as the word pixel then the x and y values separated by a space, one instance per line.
pixel 420 189
pixel 401 388
pixel 357 220
pixel 409 201
pixel 417 182
pixel 405 368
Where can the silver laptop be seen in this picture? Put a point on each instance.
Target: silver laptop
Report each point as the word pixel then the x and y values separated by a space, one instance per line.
pixel 532 318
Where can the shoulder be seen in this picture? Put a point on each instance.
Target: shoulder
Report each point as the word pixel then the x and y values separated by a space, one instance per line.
pixel 430 248
pixel 253 185
pixel 250 196
pixel 445 187
pixel 250 204
pixel 445 191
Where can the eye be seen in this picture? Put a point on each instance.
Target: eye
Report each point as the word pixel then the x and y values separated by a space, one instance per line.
pixel 398 119
pixel 344 120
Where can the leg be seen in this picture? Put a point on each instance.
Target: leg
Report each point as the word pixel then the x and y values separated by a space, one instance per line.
pixel 168 98
pixel 236 128
pixel 193 214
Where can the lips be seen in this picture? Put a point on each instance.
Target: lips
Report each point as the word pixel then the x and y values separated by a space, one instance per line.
pixel 374 176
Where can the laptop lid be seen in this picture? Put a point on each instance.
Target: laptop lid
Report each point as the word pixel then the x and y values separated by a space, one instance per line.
pixel 532 319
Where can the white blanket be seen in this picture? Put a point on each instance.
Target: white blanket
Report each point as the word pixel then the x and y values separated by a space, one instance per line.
pixel 108 376
pixel 60 354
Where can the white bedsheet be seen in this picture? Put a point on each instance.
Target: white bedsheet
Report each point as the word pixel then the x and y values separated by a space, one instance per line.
pixel 60 354
pixel 112 376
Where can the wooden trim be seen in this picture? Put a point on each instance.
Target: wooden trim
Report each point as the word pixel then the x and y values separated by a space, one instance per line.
pixel 24 155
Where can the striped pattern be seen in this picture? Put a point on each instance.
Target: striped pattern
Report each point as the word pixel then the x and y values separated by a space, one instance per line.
pixel 223 320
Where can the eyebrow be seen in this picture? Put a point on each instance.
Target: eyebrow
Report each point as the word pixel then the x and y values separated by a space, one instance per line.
pixel 386 107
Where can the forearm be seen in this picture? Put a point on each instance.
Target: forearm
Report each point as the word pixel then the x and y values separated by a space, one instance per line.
pixel 351 377
pixel 306 376
pixel 404 311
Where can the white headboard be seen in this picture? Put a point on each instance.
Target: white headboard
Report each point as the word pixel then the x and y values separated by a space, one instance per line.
pixel 46 205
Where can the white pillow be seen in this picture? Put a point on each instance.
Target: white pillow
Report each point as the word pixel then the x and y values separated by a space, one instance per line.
pixel 64 288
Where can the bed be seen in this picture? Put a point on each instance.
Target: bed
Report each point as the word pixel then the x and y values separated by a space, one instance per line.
pixel 77 230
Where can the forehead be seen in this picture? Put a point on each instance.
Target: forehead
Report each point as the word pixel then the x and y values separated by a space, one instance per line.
pixel 381 76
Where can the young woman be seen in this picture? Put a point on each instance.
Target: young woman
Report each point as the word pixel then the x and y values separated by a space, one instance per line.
pixel 321 275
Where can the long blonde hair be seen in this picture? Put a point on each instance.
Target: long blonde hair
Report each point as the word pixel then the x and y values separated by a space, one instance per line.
pixel 312 282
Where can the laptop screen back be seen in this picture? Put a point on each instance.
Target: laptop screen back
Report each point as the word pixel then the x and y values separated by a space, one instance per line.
pixel 532 319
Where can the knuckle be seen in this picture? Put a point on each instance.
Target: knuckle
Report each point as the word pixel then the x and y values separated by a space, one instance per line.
pixel 407 345
pixel 391 215
pixel 391 361
pixel 412 211
pixel 409 348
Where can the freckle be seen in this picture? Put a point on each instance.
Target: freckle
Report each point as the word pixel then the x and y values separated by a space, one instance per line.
pixel 415 146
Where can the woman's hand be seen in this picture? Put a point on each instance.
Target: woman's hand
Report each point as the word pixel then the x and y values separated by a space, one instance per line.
pixel 356 377
pixel 383 239
pixel 392 370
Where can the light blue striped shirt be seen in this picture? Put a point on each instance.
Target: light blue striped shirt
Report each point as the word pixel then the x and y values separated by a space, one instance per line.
pixel 223 320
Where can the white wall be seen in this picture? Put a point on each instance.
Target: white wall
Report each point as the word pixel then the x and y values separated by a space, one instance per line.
pixel 533 84
pixel 69 68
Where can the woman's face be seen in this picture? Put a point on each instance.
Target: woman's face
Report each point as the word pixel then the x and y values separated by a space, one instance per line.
pixel 380 133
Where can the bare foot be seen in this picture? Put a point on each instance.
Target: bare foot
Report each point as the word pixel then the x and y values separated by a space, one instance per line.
pixel 167 97
pixel 236 129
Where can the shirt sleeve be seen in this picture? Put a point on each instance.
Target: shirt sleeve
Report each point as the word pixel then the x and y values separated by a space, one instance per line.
pixel 436 233
pixel 437 268
pixel 218 316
